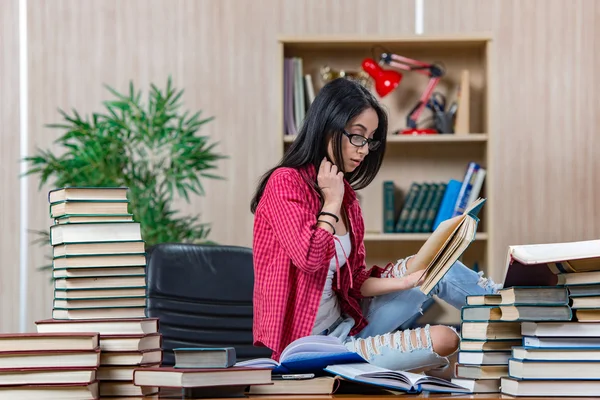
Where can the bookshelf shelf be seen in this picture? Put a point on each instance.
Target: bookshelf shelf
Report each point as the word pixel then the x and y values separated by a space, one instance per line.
pixel 417 237
pixel 431 159
pixel 471 138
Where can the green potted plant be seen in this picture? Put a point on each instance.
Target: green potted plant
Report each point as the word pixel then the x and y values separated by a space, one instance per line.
pixel 154 149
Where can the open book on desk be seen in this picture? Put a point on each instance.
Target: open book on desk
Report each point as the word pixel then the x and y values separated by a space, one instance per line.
pixel 542 264
pixel 396 380
pixel 446 244
pixel 307 354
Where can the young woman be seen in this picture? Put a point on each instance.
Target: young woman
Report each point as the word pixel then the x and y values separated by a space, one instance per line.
pixel 309 255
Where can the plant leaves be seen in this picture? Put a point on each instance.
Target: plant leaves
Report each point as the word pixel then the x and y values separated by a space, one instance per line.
pixel 152 148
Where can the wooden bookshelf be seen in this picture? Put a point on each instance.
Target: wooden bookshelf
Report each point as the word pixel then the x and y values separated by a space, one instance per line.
pixel 472 138
pixel 413 158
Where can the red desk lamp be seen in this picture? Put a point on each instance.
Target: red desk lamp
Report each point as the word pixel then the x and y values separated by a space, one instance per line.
pixel 387 80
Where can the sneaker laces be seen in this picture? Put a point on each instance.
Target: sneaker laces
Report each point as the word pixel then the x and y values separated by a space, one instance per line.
pixel 488 283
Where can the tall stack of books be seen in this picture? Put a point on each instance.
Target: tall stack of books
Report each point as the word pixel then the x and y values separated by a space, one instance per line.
pixel 485 345
pixel 492 344
pixel 99 270
pixel 560 358
pixel 49 366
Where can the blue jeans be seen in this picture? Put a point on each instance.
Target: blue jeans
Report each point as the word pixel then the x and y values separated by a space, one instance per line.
pixel 385 342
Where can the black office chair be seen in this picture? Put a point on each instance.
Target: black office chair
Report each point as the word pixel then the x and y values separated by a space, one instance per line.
pixel 202 295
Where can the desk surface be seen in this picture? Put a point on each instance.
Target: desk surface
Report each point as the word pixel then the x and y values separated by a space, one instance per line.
pixel 489 396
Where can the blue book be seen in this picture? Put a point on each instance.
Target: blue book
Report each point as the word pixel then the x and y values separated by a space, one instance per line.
pixel 465 189
pixel 448 201
pixel 307 354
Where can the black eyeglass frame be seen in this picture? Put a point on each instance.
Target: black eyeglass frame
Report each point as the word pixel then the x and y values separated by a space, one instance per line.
pixel 364 140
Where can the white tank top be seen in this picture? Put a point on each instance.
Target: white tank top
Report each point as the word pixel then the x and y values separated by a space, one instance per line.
pixel 329 308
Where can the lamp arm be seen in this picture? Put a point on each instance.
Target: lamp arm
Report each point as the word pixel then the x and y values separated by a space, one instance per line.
pixel 407 64
pixel 434 72
pixel 413 116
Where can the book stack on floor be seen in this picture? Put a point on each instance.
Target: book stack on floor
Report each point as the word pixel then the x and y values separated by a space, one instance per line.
pixel 560 358
pixel 49 366
pixel 99 270
pixel 204 372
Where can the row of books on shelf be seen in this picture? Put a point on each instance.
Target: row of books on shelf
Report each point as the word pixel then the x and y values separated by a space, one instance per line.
pixel 541 336
pixel 427 204
pixel 298 94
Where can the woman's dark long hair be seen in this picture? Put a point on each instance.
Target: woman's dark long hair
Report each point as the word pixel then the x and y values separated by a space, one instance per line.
pixel 336 104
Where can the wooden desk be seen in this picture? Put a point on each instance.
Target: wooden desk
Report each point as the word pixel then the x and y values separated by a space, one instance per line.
pixel 491 396
pixel 361 397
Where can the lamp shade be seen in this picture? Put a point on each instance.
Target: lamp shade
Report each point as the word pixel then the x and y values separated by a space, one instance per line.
pixel 385 80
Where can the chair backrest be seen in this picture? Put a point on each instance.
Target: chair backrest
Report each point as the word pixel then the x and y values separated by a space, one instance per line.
pixel 202 295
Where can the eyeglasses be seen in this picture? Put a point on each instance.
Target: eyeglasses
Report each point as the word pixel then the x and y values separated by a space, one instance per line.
pixel 360 141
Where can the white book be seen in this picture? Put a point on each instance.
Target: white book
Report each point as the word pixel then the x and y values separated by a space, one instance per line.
pixel 550 388
pixel 478 385
pixel 477 185
pixel 95 232
pixel 396 380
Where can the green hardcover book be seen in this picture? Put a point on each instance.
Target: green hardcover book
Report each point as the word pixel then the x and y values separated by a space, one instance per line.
pixel 427 225
pixel 421 217
pixel 408 204
pixel 389 209
pixel 414 213
pixel 88 207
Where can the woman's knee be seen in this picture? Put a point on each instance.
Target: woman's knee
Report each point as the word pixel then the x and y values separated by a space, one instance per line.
pixel 444 340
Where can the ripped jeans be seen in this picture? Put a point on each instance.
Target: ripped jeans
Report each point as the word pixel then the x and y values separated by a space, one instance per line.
pixel 386 341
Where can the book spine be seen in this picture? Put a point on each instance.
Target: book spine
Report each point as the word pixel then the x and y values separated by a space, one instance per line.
pixel 408 204
pixel 435 206
pixel 465 189
pixel 422 217
pixel 414 212
pixel 477 185
pixel 448 201
pixel 388 207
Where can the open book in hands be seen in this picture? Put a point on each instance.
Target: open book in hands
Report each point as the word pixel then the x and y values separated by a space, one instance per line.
pixel 396 380
pixel 446 244
pixel 307 354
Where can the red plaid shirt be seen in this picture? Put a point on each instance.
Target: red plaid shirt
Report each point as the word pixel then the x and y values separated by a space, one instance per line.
pixel 292 256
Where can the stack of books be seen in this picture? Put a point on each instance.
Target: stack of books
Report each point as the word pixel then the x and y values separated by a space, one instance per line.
pixel 485 345
pixel 99 270
pixel 125 344
pixel 558 358
pixel 49 366
pixel 98 255
pixel 204 372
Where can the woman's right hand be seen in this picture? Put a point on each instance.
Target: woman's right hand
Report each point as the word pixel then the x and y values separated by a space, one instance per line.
pixel 331 182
